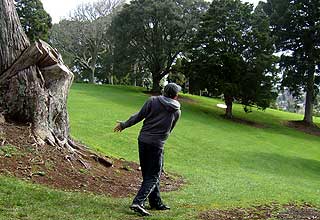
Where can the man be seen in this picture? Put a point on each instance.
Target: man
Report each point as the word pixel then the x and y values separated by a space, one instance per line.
pixel 160 115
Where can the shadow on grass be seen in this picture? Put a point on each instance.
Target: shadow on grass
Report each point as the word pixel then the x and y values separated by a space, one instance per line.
pixel 279 164
pixel 267 122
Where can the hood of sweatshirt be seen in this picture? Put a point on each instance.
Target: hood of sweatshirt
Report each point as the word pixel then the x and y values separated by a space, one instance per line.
pixel 169 104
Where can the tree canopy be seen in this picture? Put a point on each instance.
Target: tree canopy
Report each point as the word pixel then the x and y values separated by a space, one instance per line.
pixel 233 54
pixel 227 49
pixel 35 21
pixel 155 33
pixel 296 25
pixel 84 38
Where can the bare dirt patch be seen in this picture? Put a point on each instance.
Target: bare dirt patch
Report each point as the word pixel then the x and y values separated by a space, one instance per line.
pixel 304 127
pixel 186 99
pixel 272 211
pixel 21 157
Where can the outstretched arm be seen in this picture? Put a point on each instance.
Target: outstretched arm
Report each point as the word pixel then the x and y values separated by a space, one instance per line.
pixel 135 118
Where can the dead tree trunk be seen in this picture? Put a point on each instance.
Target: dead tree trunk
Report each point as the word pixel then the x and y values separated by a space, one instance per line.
pixel 34 86
pixel 34 81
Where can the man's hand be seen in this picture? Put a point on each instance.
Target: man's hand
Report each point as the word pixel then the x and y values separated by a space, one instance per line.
pixel 118 127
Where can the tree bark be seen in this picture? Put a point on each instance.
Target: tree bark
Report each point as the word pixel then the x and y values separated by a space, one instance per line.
pixel 228 101
pixel 34 82
pixel 110 78
pixel 135 72
pixel 92 75
pixel 110 74
pixel 34 86
pixel 308 113
pixel 11 44
pixel 156 83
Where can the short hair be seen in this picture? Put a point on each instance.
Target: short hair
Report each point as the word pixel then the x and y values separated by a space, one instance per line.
pixel 171 90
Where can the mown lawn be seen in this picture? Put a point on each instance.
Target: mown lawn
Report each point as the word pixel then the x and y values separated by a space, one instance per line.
pixel 224 163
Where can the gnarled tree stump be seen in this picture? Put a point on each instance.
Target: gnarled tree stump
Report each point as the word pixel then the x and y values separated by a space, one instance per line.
pixel 34 85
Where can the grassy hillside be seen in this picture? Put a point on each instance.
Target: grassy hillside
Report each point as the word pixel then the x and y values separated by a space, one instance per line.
pixel 225 163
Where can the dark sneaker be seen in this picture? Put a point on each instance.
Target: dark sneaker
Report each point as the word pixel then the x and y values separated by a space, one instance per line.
pixel 160 207
pixel 139 209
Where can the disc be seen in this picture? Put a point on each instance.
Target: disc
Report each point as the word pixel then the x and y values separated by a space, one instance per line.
pixel 221 106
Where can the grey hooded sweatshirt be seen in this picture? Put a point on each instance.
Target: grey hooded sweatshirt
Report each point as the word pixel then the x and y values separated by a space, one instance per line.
pixel 160 115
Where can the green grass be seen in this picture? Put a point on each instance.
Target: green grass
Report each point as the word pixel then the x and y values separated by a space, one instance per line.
pixel 20 200
pixel 8 151
pixel 225 164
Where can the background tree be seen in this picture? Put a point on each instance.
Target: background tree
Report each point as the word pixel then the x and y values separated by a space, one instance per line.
pixel 84 37
pixel 35 21
pixel 176 74
pixel 296 27
pixel 232 54
pixel 155 32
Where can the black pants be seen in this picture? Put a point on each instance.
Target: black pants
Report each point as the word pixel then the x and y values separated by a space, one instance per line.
pixel 151 162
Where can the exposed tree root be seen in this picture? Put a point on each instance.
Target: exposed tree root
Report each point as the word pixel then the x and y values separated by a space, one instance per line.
pixel 73 152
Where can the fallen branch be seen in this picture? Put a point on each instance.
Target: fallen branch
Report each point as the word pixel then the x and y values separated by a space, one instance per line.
pixel 102 160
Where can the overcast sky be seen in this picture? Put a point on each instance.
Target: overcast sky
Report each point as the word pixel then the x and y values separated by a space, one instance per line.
pixel 59 9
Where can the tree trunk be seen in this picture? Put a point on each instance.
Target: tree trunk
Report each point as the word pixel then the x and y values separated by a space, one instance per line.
pixel 135 67
pixel 309 99
pixel 34 86
pixel 34 82
pixel 110 79
pixel 92 73
pixel 11 44
pixel 156 83
pixel 228 101
pixel 110 75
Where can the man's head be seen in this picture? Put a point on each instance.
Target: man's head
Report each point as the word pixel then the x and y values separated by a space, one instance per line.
pixel 171 90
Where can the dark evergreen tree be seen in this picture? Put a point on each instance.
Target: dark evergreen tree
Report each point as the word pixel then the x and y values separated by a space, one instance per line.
pixel 296 25
pixel 233 55
pixel 35 21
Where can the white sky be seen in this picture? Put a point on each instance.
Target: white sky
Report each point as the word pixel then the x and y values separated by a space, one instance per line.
pixel 59 9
